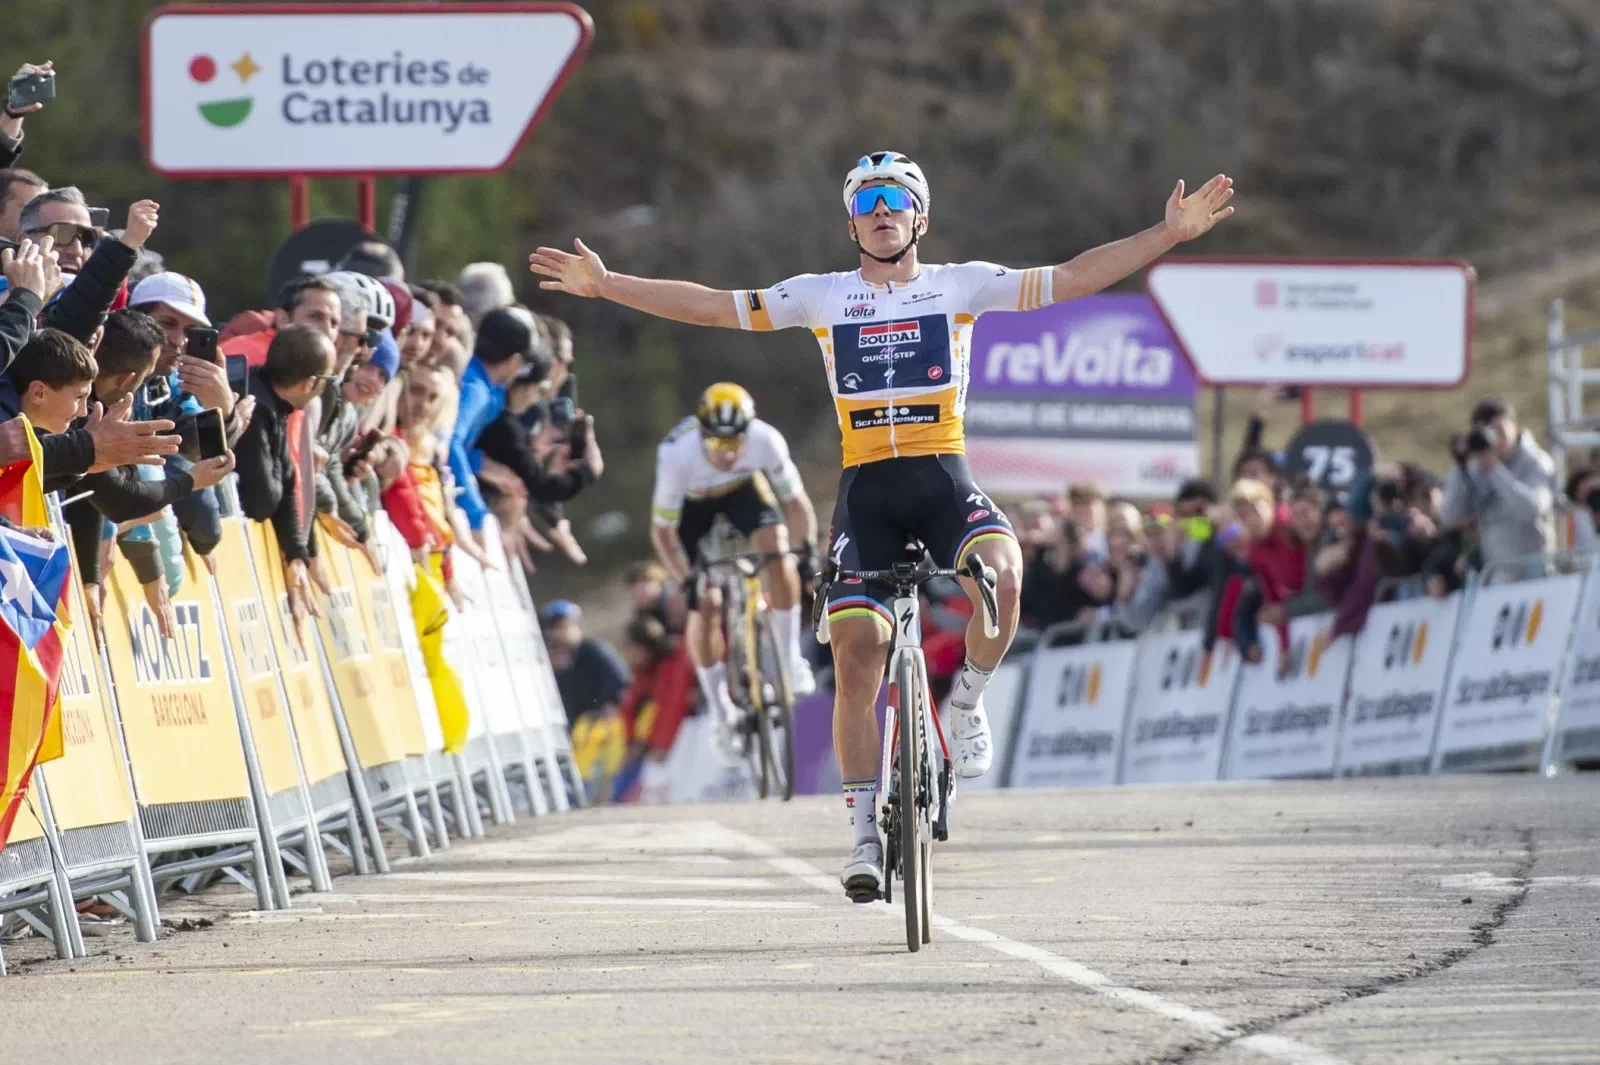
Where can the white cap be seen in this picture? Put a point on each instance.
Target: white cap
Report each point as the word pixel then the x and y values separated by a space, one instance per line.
pixel 183 294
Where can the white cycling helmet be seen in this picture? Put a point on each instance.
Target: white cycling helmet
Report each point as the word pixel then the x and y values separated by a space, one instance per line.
pixel 887 166
pixel 376 300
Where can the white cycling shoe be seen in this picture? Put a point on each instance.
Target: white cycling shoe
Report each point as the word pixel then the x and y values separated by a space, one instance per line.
pixel 728 742
pixel 972 747
pixel 801 680
pixel 863 877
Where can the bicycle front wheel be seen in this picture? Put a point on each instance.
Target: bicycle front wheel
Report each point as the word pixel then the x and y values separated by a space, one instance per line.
pixel 777 717
pixel 911 852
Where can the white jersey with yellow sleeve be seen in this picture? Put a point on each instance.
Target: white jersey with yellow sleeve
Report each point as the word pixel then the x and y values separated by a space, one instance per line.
pixel 896 354
pixel 684 472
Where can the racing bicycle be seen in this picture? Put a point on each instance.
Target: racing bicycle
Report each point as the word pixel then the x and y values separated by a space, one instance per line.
pixel 915 774
pixel 758 675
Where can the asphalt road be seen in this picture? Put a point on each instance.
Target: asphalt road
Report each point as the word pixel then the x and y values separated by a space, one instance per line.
pixel 1448 920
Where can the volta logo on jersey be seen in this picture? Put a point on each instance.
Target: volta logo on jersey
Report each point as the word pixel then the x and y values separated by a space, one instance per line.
pixel 889 334
pixel 860 310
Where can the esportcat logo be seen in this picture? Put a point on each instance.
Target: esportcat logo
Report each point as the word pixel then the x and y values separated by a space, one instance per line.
pixel 888 334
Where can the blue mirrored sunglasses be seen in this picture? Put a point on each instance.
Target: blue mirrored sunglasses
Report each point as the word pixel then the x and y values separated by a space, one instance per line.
pixel 894 197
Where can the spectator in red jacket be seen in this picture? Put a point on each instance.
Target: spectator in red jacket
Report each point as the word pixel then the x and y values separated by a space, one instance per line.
pixel 1277 565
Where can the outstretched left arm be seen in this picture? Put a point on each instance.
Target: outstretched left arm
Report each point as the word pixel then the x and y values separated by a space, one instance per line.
pixel 1187 217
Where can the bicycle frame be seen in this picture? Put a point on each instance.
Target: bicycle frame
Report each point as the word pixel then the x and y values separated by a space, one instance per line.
pixel 908 644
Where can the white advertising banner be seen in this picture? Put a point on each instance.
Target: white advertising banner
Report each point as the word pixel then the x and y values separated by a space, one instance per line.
pixel 1286 716
pixel 1402 661
pixel 1497 706
pixel 351 88
pixel 1399 323
pixel 1180 710
pixel 1000 699
pixel 1580 696
pixel 1071 726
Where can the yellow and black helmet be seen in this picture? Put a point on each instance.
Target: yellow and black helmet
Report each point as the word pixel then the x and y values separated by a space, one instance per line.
pixel 726 410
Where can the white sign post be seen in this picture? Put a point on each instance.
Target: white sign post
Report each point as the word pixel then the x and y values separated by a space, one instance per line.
pixel 260 89
pixel 1180 710
pixel 1286 717
pixel 1071 726
pixel 1392 716
pixel 1505 678
pixel 1308 322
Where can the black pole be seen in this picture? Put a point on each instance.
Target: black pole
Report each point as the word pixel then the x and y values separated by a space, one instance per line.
pixel 403 208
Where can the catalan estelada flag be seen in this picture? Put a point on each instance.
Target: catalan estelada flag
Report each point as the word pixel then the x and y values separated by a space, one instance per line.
pixel 35 582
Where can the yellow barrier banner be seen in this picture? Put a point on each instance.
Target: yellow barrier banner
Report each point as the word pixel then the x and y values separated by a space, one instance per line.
pixel 391 678
pixel 25 826
pixel 177 709
pixel 87 785
pixel 245 617
pixel 314 726
pixel 345 636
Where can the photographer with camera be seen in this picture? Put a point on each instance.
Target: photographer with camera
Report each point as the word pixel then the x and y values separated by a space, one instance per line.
pixel 27 91
pixel 1503 484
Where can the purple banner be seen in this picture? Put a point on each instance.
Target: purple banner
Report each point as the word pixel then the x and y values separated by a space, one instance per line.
pixel 1100 346
pixel 1103 370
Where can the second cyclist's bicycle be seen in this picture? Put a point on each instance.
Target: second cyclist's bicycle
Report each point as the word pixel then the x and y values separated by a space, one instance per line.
pixel 915 775
pixel 758 675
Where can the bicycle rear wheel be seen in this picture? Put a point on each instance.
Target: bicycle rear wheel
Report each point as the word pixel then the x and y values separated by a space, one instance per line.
pixel 911 852
pixel 777 718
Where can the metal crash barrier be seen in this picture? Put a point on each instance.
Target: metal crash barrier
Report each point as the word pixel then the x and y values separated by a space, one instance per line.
pixel 1504 675
pixel 248 748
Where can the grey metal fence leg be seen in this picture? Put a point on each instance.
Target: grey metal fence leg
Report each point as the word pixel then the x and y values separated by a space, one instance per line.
pixel 419 833
pixel 441 837
pixel 358 779
pixel 258 860
pixel 358 847
pixel 466 803
pixel 45 815
pixel 277 883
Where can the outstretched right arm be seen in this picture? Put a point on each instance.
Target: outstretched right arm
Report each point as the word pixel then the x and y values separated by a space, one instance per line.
pixel 583 274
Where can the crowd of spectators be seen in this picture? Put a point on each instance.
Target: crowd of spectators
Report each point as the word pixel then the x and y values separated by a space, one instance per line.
pixel 1241 560
pixel 356 393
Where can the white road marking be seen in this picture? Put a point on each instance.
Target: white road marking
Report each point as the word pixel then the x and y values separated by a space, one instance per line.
pixel 1510 885
pixel 1283 1049
pixel 588 900
pixel 469 876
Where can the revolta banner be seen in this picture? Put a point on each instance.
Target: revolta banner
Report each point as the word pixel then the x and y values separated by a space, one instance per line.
pixel 1094 389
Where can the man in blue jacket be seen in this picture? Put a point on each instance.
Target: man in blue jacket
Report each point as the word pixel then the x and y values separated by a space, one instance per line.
pixel 505 337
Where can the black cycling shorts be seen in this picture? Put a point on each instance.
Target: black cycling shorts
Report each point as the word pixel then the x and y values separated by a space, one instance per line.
pixel 883 505
pixel 749 506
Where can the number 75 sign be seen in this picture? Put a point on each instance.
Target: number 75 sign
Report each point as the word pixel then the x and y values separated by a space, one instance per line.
pixel 1331 453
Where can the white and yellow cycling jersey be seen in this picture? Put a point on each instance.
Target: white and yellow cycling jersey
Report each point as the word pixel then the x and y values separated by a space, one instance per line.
pixel 896 354
pixel 684 472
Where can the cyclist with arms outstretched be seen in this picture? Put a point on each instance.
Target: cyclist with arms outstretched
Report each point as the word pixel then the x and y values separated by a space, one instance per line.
pixel 895 336
pixel 725 462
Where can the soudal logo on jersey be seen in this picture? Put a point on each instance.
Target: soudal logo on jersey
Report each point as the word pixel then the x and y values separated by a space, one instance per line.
pixel 860 310
pixel 889 334
pixel 905 353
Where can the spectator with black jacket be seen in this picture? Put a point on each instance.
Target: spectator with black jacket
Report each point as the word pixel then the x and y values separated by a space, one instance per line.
pixel 97 267
pixel 299 364
pixel 125 356
pixel 183 385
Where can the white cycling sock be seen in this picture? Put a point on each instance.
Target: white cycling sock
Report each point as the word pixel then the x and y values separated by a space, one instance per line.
pixel 861 799
pixel 786 627
pixel 968 688
pixel 714 686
